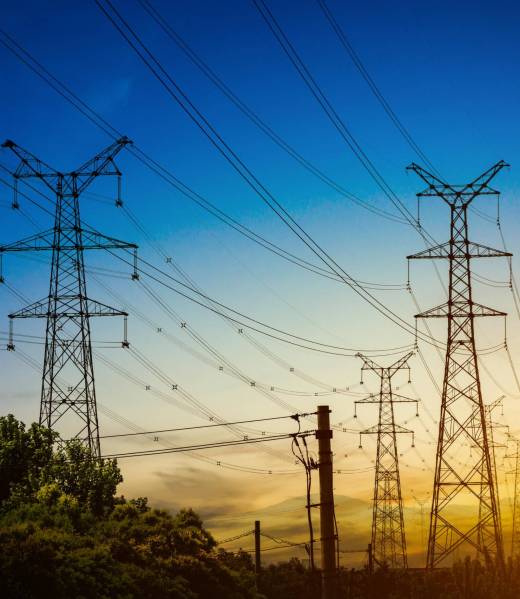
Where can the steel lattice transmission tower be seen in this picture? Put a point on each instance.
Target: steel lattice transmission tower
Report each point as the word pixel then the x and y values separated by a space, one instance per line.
pixel 68 390
pixel 486 531
pixel 388 536
pixel 464 501
pixel 515 532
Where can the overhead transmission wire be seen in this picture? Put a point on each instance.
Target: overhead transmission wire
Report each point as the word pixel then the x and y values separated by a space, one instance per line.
pixel 199 457
pixel 155 14
pixel 56 89
pixel 206 426
pixel 173 89
pixel 417 149
pixel 186 396
pixel 160 170
pixel 185 276
pixel 212 301
pixel 197 407
pixel 257 345
pixel 129 375
pixel 263 388
pixel 341 126
pixel 27 359
pixel 340 33
pixel 320 345
pixel 334 117
pixel 198 447
pixel 225 365
pixel 148 365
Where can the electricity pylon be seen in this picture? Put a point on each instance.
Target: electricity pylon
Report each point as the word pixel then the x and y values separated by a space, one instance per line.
pixel 486 529
pixel 68 387
pixel 515 532
pixel 388 536
pixel 464 494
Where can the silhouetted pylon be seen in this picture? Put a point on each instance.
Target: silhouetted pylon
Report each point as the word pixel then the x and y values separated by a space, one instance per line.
pixel 515 531
pixel 388 535
pixel 68 387
pixel 464 501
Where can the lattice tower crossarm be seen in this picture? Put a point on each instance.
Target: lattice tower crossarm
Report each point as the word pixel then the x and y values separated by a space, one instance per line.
pixel 464 501
pixel 68 385
pixel 388 539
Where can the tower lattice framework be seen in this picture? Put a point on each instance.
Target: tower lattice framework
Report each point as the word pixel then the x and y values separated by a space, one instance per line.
pixel 515 530
pixel 68 386
pixel 388 533
pixel 465 512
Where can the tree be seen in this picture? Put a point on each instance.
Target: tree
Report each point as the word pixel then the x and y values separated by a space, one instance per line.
pixel 30 462
pixel 64 533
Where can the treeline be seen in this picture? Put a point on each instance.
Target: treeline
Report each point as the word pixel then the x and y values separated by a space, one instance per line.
pixel 64 533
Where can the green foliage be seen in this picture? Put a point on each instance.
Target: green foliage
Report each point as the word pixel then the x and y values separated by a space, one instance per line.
pixel 24 454
pixel 289 580
pixel 64 534
pixel 33 469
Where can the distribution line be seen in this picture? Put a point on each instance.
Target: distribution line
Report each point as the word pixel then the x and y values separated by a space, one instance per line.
pixel 200 446
pixel 205 426
pixel 132 426
pixel 196 456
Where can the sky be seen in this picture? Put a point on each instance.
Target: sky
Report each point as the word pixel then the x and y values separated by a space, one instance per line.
pixel 450 73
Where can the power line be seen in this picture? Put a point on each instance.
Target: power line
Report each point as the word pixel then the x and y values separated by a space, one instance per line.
pixel 179 96
pixel 371 83
pixel 161 171
pixel 191 428
pixel 201 446
pixel 332 114
pixel 240 322
pixel 253 116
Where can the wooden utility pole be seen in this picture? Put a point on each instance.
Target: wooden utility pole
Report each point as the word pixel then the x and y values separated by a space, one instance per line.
pixel 327 528
pixel 258 563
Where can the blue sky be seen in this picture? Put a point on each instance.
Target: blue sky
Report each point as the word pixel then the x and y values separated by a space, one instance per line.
pixel 450 72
